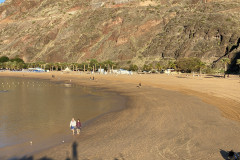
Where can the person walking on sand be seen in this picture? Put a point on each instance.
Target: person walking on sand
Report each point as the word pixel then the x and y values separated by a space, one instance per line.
pixel 79 125
pixel 73 125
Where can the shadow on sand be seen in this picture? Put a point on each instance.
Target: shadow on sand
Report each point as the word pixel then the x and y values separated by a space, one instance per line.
pixel 74 155
pixel 226 155
pixel 213 76
pixel 230 155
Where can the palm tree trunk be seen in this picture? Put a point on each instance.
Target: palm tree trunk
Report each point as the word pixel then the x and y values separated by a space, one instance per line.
pixel 84 68
pixel 225 69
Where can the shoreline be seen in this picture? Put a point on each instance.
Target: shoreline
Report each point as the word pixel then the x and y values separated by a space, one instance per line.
pixel 126 85
pixel 68 138
pixel 215 99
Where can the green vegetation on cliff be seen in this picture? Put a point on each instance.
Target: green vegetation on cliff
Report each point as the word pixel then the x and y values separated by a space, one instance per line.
pixel 143 32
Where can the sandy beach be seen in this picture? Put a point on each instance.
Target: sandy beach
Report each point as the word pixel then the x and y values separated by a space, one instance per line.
pixel 168 117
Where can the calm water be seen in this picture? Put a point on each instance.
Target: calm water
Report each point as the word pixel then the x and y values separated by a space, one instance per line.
pixel 40 111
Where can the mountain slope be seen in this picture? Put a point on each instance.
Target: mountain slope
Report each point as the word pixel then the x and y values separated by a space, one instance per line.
pixel 120 30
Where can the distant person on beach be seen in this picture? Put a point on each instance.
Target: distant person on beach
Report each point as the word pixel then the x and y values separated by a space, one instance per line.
pixel 139 85
pixel 79 125
pixel 73 125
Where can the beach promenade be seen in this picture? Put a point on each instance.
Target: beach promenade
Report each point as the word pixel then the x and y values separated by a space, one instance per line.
pixel 168 117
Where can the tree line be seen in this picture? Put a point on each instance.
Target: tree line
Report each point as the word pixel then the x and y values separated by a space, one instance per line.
pixel 90 65
pixel 186 65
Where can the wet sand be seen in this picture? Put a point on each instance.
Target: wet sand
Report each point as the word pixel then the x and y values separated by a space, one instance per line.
pixel 169 117
pixel 39 111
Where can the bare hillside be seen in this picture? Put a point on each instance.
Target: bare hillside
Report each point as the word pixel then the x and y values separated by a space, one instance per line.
pixel 120 30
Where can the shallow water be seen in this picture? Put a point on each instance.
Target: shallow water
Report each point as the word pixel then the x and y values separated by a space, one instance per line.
pixel 40 111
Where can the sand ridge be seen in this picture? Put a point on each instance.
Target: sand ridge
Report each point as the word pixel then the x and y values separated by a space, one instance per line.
pixel 158 122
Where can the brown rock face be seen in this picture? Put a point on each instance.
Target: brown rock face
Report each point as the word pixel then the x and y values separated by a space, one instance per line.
pixel 76 30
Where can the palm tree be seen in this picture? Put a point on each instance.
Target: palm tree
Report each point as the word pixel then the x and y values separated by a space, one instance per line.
pixel 20 66
pixel 133 67
pixel 40 64
pixel 201 65
pixel 88 63
pixel 44 66
pixel 47 66
pixel 60 65
pixel 1 65
pixel 63 65
pixel 238 63
pixel 108 63
pixel 14 65
pixel 93 63
pixel 100 65
pixel 31 65
pixel 147 67
pixel 171 65
pixel 28 65
pixel 79 66
pixel 225 61
pixel 56 65
pixel 84 66
pixel 8 65
pixel 76 66
pixel 113 65
pixel 159 67
pixel 51 66
pixel 72 66
pixel 68 65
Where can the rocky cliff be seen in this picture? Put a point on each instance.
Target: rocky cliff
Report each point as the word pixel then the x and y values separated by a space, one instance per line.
pixel 121 30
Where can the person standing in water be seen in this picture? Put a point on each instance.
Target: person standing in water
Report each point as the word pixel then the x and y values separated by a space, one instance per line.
pixel 79 125
pixel 73 125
